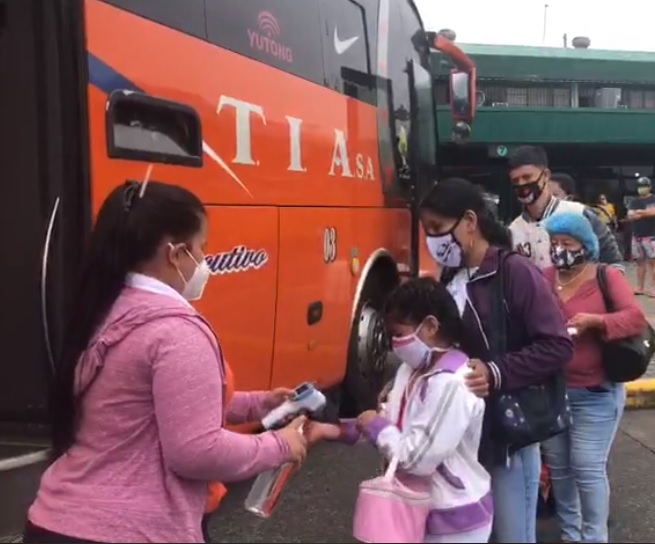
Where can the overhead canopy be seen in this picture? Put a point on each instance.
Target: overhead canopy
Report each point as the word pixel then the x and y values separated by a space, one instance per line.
pixel 522 63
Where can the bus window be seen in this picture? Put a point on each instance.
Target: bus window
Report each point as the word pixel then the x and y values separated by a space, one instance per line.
pixel 426 137
pixel 282 33
pixel 396 53
pixel 187 16
pixel 347 49
pixel 144 128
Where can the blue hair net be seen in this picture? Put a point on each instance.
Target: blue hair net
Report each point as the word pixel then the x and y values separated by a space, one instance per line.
pixel 577 226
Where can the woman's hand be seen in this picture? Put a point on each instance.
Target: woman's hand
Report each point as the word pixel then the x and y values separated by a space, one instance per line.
pixel 293 434
pixel 365 418
pixel 317 431
pixel 276 397
pixel 584 322
pixel 478 379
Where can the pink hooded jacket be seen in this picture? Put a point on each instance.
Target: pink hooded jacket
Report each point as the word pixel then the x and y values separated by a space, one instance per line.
pixel 152 431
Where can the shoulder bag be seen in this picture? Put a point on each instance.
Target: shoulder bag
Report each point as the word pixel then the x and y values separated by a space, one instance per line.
pixel 626 359
pixel 534 413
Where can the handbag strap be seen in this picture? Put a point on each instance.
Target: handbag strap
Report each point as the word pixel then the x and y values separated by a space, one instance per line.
pixel 390 473
pixel 498 336
pixel 601 278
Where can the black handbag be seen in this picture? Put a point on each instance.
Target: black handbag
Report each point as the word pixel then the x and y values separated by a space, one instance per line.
pixel 534 413
pixel 626 359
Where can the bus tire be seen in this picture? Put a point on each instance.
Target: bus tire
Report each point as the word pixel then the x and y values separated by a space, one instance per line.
pixel 370 364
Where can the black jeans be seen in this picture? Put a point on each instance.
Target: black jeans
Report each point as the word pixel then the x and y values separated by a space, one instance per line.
pixel 38 535
pixel 205 527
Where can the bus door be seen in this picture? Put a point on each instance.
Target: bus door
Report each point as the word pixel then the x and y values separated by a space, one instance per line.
pixel 43 209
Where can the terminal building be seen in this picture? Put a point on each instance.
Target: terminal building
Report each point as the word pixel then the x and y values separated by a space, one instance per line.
pixel 592 110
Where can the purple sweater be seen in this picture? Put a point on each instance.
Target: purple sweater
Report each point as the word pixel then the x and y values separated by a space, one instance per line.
pixel 152 430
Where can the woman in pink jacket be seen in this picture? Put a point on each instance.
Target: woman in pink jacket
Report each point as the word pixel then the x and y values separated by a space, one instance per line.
pixel 139 411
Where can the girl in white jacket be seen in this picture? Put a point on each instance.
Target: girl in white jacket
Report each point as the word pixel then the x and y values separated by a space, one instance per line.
pixel 432 422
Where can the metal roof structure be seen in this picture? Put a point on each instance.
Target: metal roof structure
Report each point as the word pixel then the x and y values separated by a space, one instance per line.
pixel 524 63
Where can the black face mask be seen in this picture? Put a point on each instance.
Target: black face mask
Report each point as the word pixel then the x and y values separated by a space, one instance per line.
pixel 565 259
pixel 529 192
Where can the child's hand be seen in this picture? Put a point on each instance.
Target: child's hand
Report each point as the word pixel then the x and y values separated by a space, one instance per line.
pixel 315 432
pixel 384 394
pixel 365 418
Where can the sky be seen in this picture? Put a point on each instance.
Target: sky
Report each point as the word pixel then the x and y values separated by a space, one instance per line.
pixel 610 24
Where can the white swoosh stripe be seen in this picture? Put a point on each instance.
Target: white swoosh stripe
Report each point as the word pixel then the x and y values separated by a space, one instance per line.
pixel 215 157
pixel 341 46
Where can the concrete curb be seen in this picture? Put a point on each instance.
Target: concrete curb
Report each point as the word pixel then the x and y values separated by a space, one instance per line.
pixel 640 394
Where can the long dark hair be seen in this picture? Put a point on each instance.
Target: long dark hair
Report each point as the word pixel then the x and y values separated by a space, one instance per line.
pixel 416 299
pixel 128 231
pixel 452 197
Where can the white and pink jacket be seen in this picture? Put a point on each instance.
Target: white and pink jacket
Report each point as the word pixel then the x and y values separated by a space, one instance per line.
pixel 438 437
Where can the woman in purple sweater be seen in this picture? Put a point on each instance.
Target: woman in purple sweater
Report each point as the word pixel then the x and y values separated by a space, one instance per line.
pixel 139 416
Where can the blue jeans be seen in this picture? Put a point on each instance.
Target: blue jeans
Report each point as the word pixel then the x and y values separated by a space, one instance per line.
pixel 515 490
pixel 578 462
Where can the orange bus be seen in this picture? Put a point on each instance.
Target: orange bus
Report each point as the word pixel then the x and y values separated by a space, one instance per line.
pixel 307 128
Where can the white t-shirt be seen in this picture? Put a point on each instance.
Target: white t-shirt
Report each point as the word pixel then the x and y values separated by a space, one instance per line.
pixel 457 287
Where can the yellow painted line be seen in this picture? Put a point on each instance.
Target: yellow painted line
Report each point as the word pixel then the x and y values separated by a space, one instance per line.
pixel 640 394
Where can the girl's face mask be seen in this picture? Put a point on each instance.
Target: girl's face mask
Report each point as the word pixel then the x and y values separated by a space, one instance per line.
pixel 412 350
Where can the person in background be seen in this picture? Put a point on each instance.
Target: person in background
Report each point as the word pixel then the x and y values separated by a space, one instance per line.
pixel 606 211
pixel 530 175
pixel 641 213
pixel 463 237
pixel 562 186
pixel 578 458
pixel 139 394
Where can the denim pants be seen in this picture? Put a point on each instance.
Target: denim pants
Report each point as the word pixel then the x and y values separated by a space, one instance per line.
pixel 578 462
pixel 515 489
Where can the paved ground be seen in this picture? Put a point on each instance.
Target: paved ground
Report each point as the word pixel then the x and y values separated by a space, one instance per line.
pixel 317 507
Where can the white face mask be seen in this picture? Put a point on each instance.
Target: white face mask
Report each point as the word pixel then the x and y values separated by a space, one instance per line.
pixel 445 250
pixel 412 350
pixel 195 285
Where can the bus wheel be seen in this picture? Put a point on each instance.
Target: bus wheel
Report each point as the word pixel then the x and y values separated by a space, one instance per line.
pixel 370 362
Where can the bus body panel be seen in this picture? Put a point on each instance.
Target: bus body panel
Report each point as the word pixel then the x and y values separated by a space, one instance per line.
pixel 287 162
pixel 252 115
pixel 322 254
pixel 314 270
pixel 239 300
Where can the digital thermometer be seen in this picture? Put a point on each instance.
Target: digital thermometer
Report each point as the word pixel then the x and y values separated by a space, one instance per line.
pixel 306 398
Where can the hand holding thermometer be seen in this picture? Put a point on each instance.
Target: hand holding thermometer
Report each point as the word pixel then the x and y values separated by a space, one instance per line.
pixel 573 331
pixel 306 398
pixel 267 488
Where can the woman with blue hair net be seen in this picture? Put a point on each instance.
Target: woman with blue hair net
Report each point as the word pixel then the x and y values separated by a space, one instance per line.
pixel 578 458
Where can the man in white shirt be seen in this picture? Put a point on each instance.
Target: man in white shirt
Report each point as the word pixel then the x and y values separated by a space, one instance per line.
pixel 530 177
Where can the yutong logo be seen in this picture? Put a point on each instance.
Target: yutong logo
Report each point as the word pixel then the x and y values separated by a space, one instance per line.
pixel 239 259
pixel 264 39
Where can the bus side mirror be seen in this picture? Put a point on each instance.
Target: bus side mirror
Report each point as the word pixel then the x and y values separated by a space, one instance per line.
pixel 462 95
